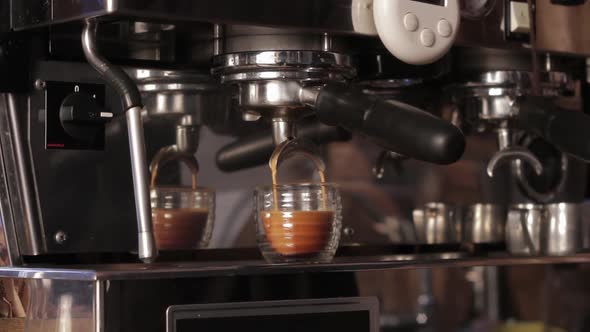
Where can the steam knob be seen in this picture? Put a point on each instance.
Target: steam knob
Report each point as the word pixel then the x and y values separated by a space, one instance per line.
pixel 82 118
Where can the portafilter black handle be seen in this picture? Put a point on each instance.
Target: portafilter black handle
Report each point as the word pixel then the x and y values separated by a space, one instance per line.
pixel 256 150
pixel 396 126
pixel 568 130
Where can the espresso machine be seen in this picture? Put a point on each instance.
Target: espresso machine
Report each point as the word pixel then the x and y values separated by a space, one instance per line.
pixel 478 105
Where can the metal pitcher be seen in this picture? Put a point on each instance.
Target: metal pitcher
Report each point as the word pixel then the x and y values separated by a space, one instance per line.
pixel 437 223
pixel 552 229
pixel 523 229
pixel 564 229
pixel 484 223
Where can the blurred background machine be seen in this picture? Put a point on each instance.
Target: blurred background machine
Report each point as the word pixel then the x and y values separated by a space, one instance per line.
pixel 456 133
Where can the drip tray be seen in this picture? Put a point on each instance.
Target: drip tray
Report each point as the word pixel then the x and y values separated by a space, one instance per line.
pixel 196 269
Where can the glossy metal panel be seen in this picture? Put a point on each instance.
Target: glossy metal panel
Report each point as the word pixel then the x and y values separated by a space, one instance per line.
pixel 9 252
pixel 21 179
pixel 5 217
pixel 60 305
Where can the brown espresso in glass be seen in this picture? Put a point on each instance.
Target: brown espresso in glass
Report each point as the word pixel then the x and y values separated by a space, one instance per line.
pixel 297 232
pixel 177 228
pixel 180 228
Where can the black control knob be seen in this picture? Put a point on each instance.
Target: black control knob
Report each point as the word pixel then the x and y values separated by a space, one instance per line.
pixel 82 118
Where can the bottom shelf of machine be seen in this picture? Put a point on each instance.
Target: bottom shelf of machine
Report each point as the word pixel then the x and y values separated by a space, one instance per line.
pixel 245 262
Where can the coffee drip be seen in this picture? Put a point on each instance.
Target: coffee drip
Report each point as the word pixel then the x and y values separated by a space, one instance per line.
pixel 168 154
pixel 297 232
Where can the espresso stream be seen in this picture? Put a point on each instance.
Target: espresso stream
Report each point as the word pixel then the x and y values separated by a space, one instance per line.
pixel 179 229
pixel 297 232
pixel 273 174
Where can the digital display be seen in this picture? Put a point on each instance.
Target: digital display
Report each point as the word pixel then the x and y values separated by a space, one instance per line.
pixel 359 314
pixel 433 2
pixel 358 321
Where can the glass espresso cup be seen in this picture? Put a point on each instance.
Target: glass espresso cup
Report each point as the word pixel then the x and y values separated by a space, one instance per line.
pixel 182 217
pixel 298 222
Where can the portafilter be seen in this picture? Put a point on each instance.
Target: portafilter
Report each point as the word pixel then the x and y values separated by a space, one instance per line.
pixel 285 86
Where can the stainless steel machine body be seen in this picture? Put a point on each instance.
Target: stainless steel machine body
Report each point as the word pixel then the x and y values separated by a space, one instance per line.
pixel 71 196
pixel 483 25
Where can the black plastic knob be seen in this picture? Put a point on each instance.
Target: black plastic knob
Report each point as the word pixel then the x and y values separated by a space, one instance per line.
pixel 82 118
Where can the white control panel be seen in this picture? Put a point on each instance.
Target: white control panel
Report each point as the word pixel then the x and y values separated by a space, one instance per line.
pixel 417 31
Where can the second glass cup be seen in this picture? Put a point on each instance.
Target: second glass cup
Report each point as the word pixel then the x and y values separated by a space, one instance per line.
pixel 298 222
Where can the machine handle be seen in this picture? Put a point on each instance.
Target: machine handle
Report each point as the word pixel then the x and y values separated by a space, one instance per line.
pixel 395 126
pixel 568 130
pixel 257 149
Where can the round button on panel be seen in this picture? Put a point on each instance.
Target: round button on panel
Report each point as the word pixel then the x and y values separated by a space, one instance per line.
pixel 411 22
pixel 416 47
pixel 427 37
pixel 444 28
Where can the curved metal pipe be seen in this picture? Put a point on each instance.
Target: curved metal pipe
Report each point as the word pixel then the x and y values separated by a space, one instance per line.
pixel 114 76
pixel 131 97
pixel 512 154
